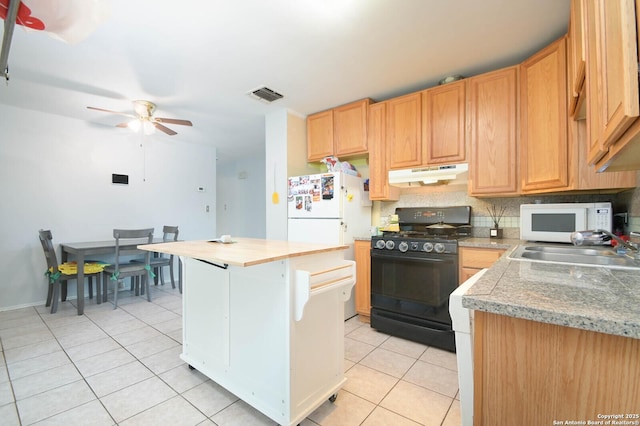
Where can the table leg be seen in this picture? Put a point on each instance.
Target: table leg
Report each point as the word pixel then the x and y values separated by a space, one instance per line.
pixel 63 285
pixel 156 270
pixel 80 260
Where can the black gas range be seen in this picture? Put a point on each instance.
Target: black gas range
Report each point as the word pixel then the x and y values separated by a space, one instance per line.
pixel 415 270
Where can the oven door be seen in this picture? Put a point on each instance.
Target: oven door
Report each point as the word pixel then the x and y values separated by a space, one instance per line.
pixel 414 284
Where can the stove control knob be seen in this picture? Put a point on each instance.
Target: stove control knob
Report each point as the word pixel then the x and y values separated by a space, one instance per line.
pixel 390 245
pixel 403 246
pixel 428 247
pixel 380 244
pixel 415 247
pixel 439 247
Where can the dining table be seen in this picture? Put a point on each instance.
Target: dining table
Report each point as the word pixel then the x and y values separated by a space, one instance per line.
pixel 80 250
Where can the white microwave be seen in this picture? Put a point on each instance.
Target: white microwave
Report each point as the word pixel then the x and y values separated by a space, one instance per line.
pixel 555 222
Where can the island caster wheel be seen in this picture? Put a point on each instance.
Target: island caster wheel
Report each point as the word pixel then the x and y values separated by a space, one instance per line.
pixel 333 398
pixel 191 367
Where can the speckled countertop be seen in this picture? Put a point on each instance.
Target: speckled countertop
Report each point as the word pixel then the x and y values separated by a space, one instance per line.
pixel 599 299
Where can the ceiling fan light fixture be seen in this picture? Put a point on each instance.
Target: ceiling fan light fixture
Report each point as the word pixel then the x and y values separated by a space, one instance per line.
pixel 145 120
pixel 148 128
pixel 134 125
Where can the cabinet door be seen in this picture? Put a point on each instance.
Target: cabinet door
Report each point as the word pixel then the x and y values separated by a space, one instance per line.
pixel 473 260
pixel 576 63
pixel 319 135
pixel 362 250
pixel 544 145
pixel 618 61
pixel 612 62
pixel 404 144
pixel 492 116
pixel 443 124
pixel 350 128
pixel 379 188
pixel 587 177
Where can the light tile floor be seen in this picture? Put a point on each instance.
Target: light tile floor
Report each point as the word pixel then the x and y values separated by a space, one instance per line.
pixel 122 367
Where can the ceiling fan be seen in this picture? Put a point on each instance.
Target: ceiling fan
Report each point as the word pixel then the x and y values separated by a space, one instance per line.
pixel 144 118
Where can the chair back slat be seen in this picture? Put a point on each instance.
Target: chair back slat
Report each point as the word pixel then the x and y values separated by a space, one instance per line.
pixel 169 233
pixel 125 236
pixel 46 239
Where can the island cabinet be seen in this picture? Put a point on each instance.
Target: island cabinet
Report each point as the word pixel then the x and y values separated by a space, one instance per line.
pixel 443 124
pixel 473 259
pixel 544 145
pixel 492 133
pixel 379 188
pixel 362 253
pixel 532 373
pixel 613 101
pixel 404 130
pixel 265 320
pixel 340 132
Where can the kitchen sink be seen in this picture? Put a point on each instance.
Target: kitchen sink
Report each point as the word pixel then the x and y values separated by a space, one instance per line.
pixel 587 256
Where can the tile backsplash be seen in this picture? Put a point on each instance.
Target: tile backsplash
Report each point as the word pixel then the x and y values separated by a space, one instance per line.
pixel 628 201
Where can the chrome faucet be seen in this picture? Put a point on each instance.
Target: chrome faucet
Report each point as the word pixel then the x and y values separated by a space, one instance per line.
pixel 599 237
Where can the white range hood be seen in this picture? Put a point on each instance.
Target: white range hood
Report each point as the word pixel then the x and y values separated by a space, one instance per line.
pixel 429 175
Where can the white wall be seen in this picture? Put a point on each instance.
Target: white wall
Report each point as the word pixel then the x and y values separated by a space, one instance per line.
pixel 276 164
pixel 56 174
pixel 241 196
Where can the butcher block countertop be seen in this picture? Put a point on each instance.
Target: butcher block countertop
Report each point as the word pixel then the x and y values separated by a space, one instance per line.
pixel 242 251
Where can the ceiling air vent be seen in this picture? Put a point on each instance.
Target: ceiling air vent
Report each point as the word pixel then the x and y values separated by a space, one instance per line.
pixel 265 94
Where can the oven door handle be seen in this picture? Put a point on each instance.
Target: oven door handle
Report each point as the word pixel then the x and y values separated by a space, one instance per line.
pixel 444 258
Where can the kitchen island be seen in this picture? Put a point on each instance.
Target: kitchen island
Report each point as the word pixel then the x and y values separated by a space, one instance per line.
pixel 555 343
pixel 264 319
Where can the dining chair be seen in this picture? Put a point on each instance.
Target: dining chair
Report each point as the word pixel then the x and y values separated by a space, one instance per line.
pixel 159 261
pixel 56 273
pixel 122 267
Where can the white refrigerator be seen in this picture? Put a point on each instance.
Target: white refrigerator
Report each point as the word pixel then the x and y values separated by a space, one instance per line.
pixel 330 208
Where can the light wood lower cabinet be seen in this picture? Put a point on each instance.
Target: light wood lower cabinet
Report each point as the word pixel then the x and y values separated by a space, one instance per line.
pixel 473 260
pixel 362 254
pixel 531 373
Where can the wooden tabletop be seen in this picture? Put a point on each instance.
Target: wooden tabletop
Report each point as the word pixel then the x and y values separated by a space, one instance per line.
pixel 242 251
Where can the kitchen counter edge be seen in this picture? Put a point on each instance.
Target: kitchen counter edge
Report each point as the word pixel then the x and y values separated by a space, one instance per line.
pixel 242 252
pixel 597 299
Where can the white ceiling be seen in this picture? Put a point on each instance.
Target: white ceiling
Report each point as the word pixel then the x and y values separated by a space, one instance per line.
pixel 198 59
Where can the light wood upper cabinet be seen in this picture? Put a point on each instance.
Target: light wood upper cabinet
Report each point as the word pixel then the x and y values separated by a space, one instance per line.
pixel 492 132
pixel 404 142
pixel 350 129
pixel 613 103
pixel 443 124
pixel 341 131
pixel 586 177
pixel 379 188
pixel 544 146
pixel 362 250
pixel 576 48
pixel 319 135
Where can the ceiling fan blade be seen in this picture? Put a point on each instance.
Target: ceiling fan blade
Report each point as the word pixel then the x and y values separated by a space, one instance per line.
pixel 112 112
pixel 173 121
pixel 164 129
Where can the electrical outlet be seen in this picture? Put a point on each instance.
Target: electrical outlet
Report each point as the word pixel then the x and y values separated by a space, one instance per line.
pixel 206 208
